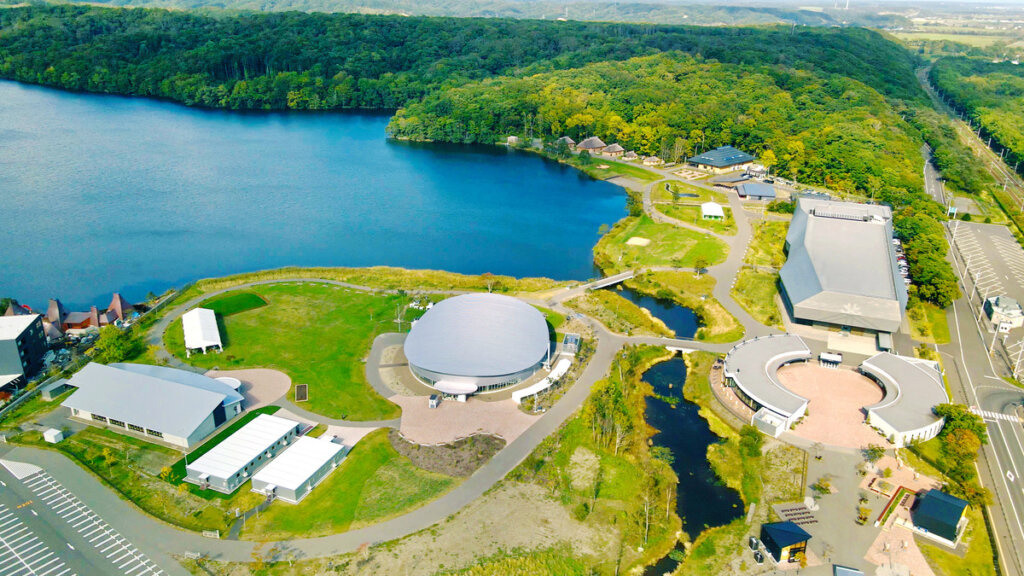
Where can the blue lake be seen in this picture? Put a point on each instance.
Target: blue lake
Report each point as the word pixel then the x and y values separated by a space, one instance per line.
pixel 103 193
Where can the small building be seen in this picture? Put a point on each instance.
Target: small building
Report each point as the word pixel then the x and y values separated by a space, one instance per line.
pixel 512 141
pixel 230 464
pixel 51 391
pixel 723 159
pixel 157 403
pixel 653 161
pixel 785 541
pixel 52 435
pixel 756 171
pixel 940 515
pixel 756 191
pixel 120 308
pixel 201 330
pixel 22 345
pixel 838 570
pixel 712 211
pixel 569 142
pixel 52 332
pixel 630 155
pixel 305 464
pixel 56 314
pixel 593 145
pixel 613 150
pixel 16 309
pixel 1004 311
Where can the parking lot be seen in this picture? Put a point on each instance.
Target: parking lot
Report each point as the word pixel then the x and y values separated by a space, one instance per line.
pixel 994 260
pixel 107 542
pixel 22 553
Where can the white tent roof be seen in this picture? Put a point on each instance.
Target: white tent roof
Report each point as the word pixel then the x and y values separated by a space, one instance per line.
pixel 712 209
pixel 298 463
pixel 201 330
pixel 242 447
pixel 560 369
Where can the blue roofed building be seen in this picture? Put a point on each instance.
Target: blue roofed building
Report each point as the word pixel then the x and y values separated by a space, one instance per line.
pixel 723 159
pixel 785 541
pixel 940 515
pixel 756 191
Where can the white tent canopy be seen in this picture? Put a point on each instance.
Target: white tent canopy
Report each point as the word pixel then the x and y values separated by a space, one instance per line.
pixel 712 210
pixel 201 332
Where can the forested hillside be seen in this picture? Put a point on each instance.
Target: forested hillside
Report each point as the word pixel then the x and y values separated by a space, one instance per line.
pixel 328 61
pixel 605 11
pixel 829 130
pixel 990 93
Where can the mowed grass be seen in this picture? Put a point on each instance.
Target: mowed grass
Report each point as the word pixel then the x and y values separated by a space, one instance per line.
pixel 615 169
pixel 318 334
pixel 928 323
pixel 372 484
pixel 670 246
pixel 234 303
pixel 691 214
pixel 755 291
pixel 979 559
pixel 682 192
pixel 767 247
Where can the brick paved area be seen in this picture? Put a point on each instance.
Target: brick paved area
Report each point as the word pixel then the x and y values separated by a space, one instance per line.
pixel 837 396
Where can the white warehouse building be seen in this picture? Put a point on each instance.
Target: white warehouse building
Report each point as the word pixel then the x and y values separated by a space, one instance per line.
pixel 293 475
pixel 230 464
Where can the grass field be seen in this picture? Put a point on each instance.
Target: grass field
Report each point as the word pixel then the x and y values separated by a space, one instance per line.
pixel 670 246
pixel 373 483
pixel 618 314
pixel 614 169
pixel 979 559
pixel 234 303
pixel 928 323
pixel 675 191
pixel 767 247
pixel 755 291
pixel 318 334
pixel 29 410
pixel 691 214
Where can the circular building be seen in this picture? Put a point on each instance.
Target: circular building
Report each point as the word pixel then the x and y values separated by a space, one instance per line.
pixel 477 342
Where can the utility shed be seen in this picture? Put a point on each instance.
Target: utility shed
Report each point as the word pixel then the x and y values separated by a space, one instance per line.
pixel 201 331
pixel 294 474
pixel 940 514
pixel 229 464
pixel 785 541
pixel 712 211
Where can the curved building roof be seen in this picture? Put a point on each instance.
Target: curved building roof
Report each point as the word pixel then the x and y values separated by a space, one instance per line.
pixel 478 335
pixel 753 364
pixel 912 388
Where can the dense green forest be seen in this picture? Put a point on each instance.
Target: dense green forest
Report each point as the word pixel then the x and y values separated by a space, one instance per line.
pixel 328 61
pixel 992 94
pixel 650 12
pixel 828 130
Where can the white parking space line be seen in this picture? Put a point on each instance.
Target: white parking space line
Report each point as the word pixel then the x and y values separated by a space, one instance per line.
pixel 121 553
pixel 22 553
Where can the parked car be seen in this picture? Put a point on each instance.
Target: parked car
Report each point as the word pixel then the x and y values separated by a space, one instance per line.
pixel 759 558
pixel 753 543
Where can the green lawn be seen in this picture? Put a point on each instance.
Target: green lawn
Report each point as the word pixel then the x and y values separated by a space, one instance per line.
pixel 670 246
pixel 318 334
pixel 675 191
pixel 29 410
pixel 234 303
pixel 373 483
pixel 767 247
pixel 691 214
pixel 614 169
pixel 928 323
pixel 755 291
pixel 979 560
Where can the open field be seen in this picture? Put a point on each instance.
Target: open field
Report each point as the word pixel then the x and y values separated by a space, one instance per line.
pixel 767 247
pixel 234 303
pixel 691 214
pixel 693 292
pixel 318 334
pixel 670 246
pixel 614 169
pixel 618 314
pixel 373 483
pixel 755 291
pixel 978 40
pixel 674 191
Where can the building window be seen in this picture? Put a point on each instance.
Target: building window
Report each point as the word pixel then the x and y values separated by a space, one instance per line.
pixel 135 428
pixel 154 433
pixel 99 418
pixel 116 423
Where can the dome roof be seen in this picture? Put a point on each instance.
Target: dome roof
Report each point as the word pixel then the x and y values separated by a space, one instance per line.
pixel 478 335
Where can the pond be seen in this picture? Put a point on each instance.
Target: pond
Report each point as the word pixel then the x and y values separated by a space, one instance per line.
pixel 104 193
pixel 679 319
pixel 702 500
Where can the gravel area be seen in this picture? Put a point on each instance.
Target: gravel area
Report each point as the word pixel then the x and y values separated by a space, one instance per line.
pixel 260 386
pixel 453 420
pixel 835 415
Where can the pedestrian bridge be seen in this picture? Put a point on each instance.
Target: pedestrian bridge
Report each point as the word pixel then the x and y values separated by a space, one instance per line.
pixel 610 280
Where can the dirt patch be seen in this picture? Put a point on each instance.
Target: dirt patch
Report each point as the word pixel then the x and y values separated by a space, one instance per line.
pixel 260 386
pixel 460 458
pixel 454 420
pixel 583 468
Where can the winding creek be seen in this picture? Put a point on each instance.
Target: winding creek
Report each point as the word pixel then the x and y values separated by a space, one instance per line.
pixel 702 500
pixel 679 319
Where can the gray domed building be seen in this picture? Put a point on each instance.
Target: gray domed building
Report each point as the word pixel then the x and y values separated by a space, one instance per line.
pixel 477 343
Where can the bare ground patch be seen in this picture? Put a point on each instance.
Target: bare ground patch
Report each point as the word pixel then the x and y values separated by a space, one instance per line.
pixel 460 458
